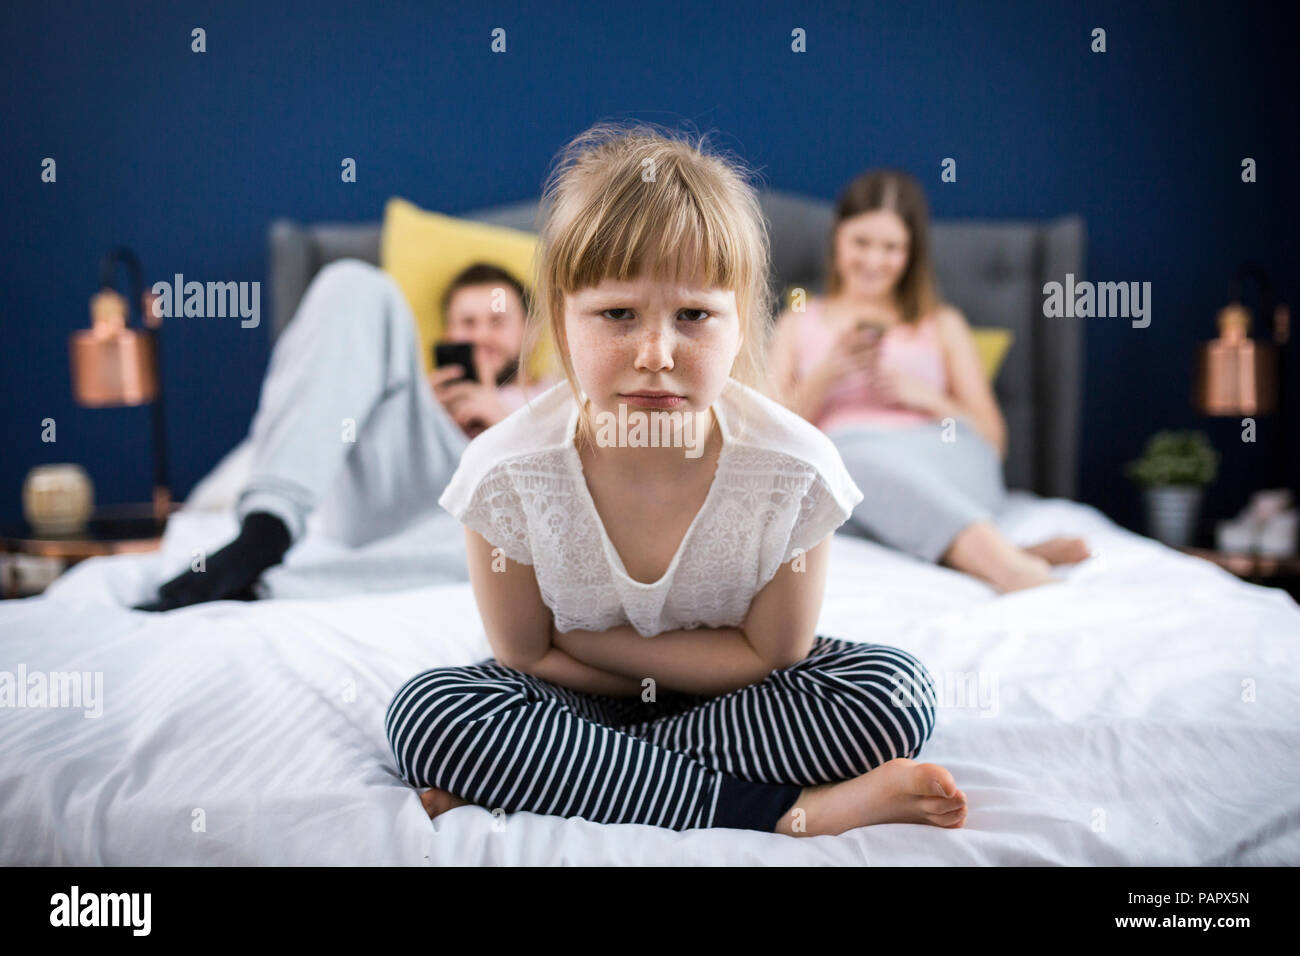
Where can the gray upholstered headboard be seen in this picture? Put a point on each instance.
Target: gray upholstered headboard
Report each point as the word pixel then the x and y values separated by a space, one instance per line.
pixel 993 271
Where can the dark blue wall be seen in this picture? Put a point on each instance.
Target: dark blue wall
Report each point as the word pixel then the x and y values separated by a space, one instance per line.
pixel 186 158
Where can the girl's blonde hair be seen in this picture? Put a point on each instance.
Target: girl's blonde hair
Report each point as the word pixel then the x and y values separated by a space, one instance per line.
pixel 623 198
pixel 917 293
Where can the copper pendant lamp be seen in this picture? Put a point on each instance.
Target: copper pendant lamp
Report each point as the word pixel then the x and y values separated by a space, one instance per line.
pixel 1236 374
pixel 114 365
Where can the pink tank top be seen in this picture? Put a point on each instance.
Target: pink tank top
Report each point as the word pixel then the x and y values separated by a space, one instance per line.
pixel 915 350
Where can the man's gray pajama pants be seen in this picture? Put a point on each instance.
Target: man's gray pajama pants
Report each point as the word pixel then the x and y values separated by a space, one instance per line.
pixel 347 424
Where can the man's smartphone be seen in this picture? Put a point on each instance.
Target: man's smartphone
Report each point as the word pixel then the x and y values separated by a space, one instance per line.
pixel 456 353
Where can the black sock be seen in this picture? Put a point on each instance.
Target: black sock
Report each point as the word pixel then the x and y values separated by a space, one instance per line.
pixel 228 574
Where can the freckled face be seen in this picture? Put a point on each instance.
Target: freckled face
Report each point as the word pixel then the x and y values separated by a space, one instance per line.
pixel 642 335
pixel 871 251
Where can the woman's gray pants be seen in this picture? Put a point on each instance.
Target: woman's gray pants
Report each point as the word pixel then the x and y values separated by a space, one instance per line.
pixel 921 484
pixel 347 423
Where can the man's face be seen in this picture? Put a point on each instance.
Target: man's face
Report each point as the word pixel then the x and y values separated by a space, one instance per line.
pixel 491 317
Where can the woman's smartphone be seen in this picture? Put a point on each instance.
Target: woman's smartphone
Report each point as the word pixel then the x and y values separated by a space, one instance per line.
pixel 875 332
pixel 456 353
pixel 876 329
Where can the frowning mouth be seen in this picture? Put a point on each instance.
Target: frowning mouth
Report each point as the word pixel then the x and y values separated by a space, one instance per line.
pixel 654 399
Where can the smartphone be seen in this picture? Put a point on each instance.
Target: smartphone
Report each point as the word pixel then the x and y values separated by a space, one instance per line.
pixel 456 353
pixel 877 329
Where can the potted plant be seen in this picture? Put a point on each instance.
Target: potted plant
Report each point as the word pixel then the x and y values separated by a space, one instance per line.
pixel 1174 470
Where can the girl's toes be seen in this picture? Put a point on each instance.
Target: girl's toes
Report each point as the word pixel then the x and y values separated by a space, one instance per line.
pixel 932 780
pixel 953 820
pixel 940 805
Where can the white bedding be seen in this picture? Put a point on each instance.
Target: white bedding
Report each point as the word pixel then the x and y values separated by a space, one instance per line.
pixel 1146 711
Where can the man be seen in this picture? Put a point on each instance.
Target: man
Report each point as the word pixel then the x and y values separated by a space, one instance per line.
pixel 497 337
pixel 349 425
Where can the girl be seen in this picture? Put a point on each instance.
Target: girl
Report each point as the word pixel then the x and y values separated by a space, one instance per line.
pixel 881 398
pixel 652 611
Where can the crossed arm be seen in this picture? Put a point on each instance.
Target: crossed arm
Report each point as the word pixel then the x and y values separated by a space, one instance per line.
pixel 778 631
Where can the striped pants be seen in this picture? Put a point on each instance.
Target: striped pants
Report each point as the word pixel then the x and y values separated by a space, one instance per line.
pixel 501 738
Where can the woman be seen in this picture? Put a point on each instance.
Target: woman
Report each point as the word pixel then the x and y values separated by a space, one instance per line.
pixel 891 374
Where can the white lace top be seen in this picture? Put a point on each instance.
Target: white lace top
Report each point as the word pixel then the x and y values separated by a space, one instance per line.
pixel 780 487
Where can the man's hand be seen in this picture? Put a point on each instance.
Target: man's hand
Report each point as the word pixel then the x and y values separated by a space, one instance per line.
pixel 471 405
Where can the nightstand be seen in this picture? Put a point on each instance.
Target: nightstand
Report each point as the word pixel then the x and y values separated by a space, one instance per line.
pixel 113 530
pixel 1281 573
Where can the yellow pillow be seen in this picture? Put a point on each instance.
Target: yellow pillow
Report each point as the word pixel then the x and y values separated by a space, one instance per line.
pixel 992 344
pixel 423 251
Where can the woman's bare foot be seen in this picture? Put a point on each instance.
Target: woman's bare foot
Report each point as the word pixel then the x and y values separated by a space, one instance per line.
pixel 898 791
pixel 1020 571
pixel 981 551
pixel 437 801
pixel 1061 550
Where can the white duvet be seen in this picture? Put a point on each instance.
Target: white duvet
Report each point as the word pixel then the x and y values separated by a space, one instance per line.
pixel 1146 710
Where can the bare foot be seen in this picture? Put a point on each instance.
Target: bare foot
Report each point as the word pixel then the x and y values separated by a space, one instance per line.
pixel 1061 550
pixel 1019 571
pixel 981 550
pixel 437 801
pixel 898 791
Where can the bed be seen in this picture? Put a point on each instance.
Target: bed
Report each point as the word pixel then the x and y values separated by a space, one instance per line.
pixel 1143 711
